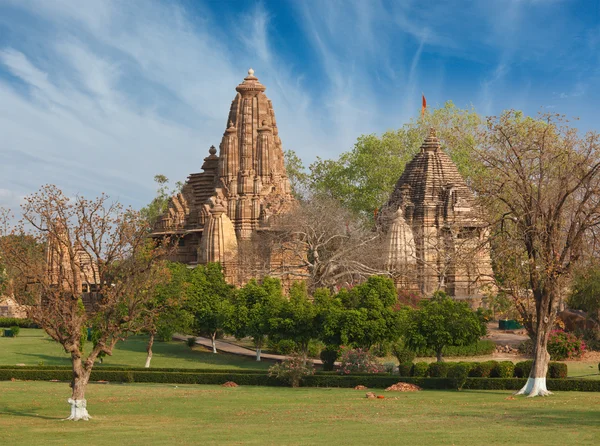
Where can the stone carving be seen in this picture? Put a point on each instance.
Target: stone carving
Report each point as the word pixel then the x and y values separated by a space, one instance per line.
pixel 433 214
pixel 238 192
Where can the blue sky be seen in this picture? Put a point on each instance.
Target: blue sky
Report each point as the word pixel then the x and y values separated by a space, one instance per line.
pixel 100 95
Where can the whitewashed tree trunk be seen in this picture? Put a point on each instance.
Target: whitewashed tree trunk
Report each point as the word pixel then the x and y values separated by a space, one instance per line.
pixel 77 401
pixel 214 345
pixel 149 350
pixel 536 383
pixel 258 351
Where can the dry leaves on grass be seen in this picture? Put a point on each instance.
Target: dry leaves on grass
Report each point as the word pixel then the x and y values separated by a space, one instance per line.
pixel 229 384
pixel 361 387
pixel 402 387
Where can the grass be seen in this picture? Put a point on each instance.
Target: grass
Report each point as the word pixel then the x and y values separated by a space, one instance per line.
pixel 138 414
pixel 33 346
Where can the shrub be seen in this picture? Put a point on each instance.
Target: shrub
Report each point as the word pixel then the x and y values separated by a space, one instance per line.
pixel 191 341
pixel 481 347
pixel 403 354
pixel 6 322
pixel 15 330
pixel 329 356
pixel 405 368
pixel 315 348
pixel 557 370
pixel 439 369
pixel 523 368
pixel 458 374
pixel 420 369
pixel 482 369
pixel 389 367
pixel 503 369
pixel 165 333
pixel 563 345
pixel 292 369
pixel 282 346
pixel 525 347
pixel 358 360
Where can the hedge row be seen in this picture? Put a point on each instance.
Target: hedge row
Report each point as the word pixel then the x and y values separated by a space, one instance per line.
pixel 481 347
pixel 7 322
pixel 486 369
pixel 319 380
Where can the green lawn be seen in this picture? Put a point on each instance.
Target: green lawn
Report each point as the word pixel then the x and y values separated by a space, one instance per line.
pixel 138 414
pixel 33 346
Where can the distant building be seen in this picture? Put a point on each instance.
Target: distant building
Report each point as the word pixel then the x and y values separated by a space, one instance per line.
pixel 435 236
pixel 238 192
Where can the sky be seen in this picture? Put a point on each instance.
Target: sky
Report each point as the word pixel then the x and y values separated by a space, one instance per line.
pixel 101 95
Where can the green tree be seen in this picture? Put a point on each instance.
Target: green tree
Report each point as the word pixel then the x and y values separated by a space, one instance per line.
pixel 585 294
pixel 363 178
pixel 255 307
pixel 297 319
pixel 297 174
pixel 209 299
pixel 160 202
pixel 440 322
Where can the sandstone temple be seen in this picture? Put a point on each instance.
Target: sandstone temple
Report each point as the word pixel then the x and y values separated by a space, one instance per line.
pixel 435 238
pixel 238 192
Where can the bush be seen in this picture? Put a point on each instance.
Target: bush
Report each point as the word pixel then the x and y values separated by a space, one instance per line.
pixel 420 369
pixel 281 346
pixel 15 330
pixel 292 369
pixel 6 322
pixel 439 369
pixel 389 367
pixel 403 354
pixel 458 374
pixel 405 368
pixel 526 347
pixel 315 348
pixel 482 369
pixel 557 370
pixel 563 345
pixel 329 356
pixel 523 368
pixel 191 342
pixel 480 348
pixel 503 369
pixel 358 360
pixel 165 333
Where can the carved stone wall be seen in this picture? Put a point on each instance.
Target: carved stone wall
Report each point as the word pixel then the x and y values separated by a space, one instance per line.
pixel 432 200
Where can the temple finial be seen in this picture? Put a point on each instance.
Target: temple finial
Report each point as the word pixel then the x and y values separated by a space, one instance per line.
pixel 212 150
pixel 250 72
pixel 432 132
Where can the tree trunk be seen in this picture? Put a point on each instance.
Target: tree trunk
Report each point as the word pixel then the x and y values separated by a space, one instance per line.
pixel 546 313
pixel 77 401
pixel 439 354
pixel 213 337
pixel 258 344
pixel 149 350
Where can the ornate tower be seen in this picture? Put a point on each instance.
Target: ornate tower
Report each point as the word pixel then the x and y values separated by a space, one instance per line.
pixel 450 239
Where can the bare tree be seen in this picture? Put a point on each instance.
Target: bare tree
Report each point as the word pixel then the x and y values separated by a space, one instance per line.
pixel 543 185
pixel 91 266
pixel 321 242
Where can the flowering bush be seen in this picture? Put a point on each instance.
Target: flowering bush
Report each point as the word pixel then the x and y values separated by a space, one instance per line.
pixel 358 361
pixel 563 345
pixel 292 369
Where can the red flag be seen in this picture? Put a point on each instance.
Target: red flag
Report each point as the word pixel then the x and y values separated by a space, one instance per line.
pixel 423 106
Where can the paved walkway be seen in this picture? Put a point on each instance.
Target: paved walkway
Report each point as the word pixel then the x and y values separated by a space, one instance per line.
pixel 234 349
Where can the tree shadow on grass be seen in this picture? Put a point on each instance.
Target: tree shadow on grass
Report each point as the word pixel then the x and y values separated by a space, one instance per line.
pixel 26 413
pixel 48 359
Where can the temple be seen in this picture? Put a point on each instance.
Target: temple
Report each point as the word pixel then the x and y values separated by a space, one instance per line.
pixel 238 191
pixel 435 238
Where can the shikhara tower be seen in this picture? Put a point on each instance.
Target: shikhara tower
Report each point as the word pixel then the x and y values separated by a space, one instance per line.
pixel 435 236
pixel 238 191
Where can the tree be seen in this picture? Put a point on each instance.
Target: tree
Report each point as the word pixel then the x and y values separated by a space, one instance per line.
pixel 297 175
pixel 165 312
pixel 327 245
pixel 585 293
pixel 160 202
pixel 440 322
pixel 255 306
pixel 91 245
pixel 363 178
pixel 297 320
pixel 369 316
pixel 209 299
pixel 542 190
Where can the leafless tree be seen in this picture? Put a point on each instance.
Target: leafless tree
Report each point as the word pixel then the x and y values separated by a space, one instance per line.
pixel 543 187
pixel 91 266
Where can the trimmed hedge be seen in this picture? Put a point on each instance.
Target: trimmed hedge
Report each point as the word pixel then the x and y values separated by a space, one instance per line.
pixel 318 380
pixel 439 369
pixel 483 369
pixel 557 370
pixel 420 369
pixel 503 369
pixel 7 322
pixel 480 348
